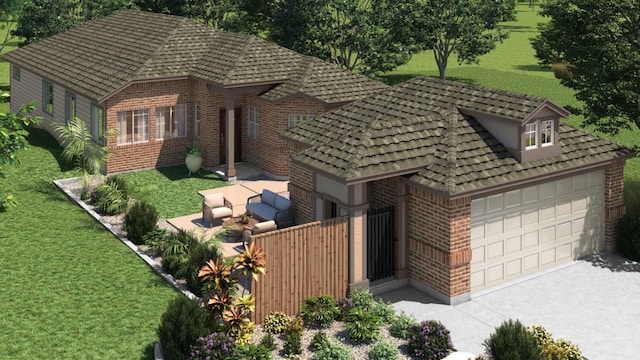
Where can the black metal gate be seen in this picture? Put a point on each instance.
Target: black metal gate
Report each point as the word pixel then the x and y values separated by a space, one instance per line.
pixel 381 234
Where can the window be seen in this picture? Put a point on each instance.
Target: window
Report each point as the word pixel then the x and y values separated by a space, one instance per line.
pixel 172 121
pixel 47 97
pixel 196 121
pixel 97 123
pixel 547 133
pixel 295 119
pixel 133 126
pixel 253 123
pixel 531 136
pixel 70 106
pixel 16 72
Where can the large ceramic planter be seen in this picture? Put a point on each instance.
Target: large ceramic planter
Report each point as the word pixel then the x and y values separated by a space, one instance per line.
pixel 193 163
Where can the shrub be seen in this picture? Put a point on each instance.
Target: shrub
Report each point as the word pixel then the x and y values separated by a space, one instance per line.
pixel 364 299
pixel 157 240
pixel 561 71
pixel 541 334
pixel 345 305
pixel 111 197
pixel 139 220
pixel 292 344
pixel 253 352
pixel 554 349
pixel 320 311
pixel 401 325
pixel 627 239
pixel 217 345
pixel 181 325
pixel 429 340
pixel 512 341
pixel 276 322
pixel 268 342
pixel 384 351
pixel 571 350
pixel 319 341
pixel 362 325
pixel 333 351
pixel 296 325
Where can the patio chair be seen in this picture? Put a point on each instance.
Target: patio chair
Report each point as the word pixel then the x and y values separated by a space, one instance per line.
pixel 215 206
pixel 259 228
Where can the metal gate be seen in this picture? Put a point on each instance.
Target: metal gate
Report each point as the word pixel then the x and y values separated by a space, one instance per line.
pixel 381 234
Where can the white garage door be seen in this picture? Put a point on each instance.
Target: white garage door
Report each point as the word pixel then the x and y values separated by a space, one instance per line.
pixel 519 232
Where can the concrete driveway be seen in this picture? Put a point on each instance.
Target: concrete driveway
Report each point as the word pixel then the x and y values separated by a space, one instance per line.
pixel 595 303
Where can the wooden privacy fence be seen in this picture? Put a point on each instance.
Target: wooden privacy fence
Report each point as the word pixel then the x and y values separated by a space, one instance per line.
pixel 302 261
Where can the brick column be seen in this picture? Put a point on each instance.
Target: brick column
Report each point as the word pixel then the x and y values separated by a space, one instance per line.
pixel 614 201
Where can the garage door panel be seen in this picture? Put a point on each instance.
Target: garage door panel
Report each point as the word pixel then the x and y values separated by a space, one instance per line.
pixel 522 231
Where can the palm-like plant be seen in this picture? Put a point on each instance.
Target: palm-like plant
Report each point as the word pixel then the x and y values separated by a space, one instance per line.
pixel 251 260
pixel 79 149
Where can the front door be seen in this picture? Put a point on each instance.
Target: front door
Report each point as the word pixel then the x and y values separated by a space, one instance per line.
pixel 238 135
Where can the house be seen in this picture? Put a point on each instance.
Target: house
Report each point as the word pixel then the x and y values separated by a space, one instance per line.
pixel 479 186
pixel 165 81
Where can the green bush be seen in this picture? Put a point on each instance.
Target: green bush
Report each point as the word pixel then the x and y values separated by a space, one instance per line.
pixel 268 342
pixel 217 345
pixel 512 341
pixel 384 351
pixel 552 349
pixel 362 325
pixel 293 337
pixel 571 350
pixel 157 240
pixel 429 340
pixel 401 325
pixel 561 71
pixel 181 325
pixel 365 300
pixel 296 325
pixel 141 218
pixel 627 238
pixel 320 311
pixel 253 352
pixel 333 351
pixel 111 197
pixel 276 322
pixel 319 341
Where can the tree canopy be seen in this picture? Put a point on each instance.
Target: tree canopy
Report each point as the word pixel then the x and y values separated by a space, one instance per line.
pixel 600 44
pixel 370 36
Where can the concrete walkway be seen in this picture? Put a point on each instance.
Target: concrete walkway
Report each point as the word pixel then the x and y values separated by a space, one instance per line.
pixel 594 303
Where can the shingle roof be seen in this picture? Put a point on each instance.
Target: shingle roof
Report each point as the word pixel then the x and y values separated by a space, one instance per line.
pixel 420 127
pixel 102 56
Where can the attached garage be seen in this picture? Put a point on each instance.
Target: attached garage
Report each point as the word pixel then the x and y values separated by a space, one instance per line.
pixel 523 231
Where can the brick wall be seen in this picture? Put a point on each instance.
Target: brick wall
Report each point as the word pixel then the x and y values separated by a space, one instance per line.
pixel 439 241
pixel 301 185
pixel 613 199
pixel 382 193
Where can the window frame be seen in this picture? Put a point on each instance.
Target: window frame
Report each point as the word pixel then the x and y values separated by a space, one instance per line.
pixel 136 116
pixel 70 103
pixel 15 72
pixel 527 135
pixel 196 121
pixel 177 122
pixel 294 119
pixel 47 97
pixel 547 133
pixel 98 124
pixel 253 123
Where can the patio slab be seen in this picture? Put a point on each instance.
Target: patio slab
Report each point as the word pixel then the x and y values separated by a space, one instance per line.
pixel 592 302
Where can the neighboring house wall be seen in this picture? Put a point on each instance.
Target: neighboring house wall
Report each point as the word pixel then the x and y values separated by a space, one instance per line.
pixel 154 152
pixel 439 232
pixel 269 151
pixel 29 88
pixel 301 185
pixel 614 200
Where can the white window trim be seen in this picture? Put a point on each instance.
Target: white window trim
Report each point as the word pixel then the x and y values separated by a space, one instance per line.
pixel 137 115
pixel 533 131
pixel 551 134
pixel 196 121
pixel 97 123
pixel 295 119
pixel 253 123
pixel 177 122
pixel 46 99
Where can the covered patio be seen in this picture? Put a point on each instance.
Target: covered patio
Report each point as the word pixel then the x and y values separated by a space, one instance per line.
pixel 237 194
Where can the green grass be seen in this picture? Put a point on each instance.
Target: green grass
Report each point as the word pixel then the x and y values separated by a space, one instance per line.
pixel 174 193
pixel 70 289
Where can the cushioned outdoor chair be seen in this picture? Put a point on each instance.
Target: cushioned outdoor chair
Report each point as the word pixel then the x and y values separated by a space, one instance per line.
pixel 215 206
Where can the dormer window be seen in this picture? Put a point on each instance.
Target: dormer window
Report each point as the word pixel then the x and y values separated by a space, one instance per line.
pixel 538 134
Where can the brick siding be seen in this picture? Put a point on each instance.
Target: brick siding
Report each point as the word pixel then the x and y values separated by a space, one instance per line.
pixel 440 241
pixel 301 187
pixel 382 193
pixel 613 199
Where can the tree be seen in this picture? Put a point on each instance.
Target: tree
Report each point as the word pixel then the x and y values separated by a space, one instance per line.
pixel 468 28
pixel 244 16
pixel 9 14
pixel 173 7
pixel 88 157
pixel 13 139
pixel 600 44
pixel 370 36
